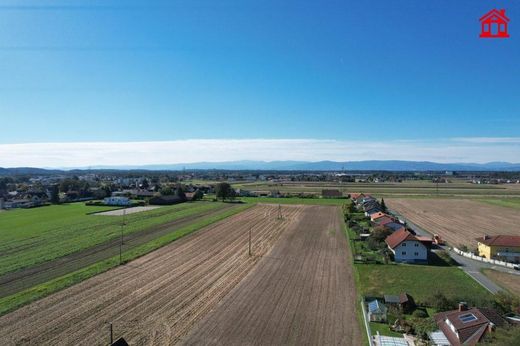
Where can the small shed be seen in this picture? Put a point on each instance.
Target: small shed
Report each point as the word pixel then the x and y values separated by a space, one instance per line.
pixel 377 311
pixel 403 301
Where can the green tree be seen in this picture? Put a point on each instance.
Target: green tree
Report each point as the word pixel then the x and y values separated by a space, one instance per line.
pixel 55 194
pixel 224 191
pixel 383 205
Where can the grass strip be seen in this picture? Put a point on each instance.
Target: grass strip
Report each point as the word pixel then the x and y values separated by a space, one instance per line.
pixel 15 301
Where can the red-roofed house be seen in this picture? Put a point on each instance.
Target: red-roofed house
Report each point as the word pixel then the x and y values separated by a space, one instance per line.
pixel 467 326
pixel 406 247
pixel 377 215
pixel 494 24
pixel 501 247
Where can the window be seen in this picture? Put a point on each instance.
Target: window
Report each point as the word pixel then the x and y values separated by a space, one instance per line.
pixel 403 253
pixel 416 245
pixel 416 254
pixel 467 318
pixel 404 244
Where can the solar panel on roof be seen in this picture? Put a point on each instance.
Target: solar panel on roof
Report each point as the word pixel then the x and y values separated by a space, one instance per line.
pixel 467 318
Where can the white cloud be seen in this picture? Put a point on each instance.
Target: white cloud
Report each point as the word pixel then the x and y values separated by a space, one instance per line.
pixel 216 150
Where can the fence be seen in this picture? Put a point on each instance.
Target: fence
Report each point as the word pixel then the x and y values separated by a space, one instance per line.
pixel 482 259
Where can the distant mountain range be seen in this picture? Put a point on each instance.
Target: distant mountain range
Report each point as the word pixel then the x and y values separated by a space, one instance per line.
pixel 392 165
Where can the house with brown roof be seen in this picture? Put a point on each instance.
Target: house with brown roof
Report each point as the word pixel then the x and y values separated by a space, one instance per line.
pixel 467 326
pixel 377 215
pixel 406 247
pixel 403 302
pixel 501 247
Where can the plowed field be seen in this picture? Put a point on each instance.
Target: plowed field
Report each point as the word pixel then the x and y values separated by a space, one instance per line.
pixel 158 298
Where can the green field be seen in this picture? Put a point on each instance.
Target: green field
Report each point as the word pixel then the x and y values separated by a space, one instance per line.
pixel 420 281
pixel 32 236
pixel 19 299
pixel 507 202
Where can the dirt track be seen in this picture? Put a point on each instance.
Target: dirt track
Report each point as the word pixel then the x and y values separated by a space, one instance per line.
pixel 156 299
pixel 301 293
pixel 458 221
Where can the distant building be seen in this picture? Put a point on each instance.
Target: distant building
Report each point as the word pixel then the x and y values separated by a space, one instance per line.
pixel 501 247
pixel 120 201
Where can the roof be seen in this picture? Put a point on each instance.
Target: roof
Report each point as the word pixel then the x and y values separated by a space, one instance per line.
pixel 494 12
pixel 396 238
pixel 400 299
pixel 377 215
pixel 470 324
pixel 376 306
pixel 381 221
pixel 394 226
pixel 438 338
pixel 500 240
pixel 391 341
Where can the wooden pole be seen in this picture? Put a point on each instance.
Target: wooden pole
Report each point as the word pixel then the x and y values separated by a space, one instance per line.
pixel 111 334
pixel 250 254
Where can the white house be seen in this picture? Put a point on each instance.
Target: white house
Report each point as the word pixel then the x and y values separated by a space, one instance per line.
pixel 123 201
pixel 406 247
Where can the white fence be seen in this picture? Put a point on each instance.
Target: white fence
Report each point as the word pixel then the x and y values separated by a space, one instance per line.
pixel 483 259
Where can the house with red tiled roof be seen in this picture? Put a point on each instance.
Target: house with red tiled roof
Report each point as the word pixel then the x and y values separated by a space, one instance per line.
pixel 501 247
pixel 406 247
pixel 467 326
pixel 377 215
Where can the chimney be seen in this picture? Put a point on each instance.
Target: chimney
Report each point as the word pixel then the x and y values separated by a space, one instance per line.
pixel 486 237
pixel 502 12
pixel 463 306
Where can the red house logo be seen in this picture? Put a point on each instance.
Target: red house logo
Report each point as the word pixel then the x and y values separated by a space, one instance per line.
pixel 494 24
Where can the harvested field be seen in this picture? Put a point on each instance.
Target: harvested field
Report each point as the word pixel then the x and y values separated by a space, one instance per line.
pixel 126 211
pixel 458 221
pixel 510 282
pixel 301 293
pixel 157 298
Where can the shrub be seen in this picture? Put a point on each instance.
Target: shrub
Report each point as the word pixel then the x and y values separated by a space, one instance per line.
pixel 419 313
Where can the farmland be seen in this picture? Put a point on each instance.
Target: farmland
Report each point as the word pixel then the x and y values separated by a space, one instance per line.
pixel 420 188
pixel 301 293
pixel 158 298
pixel 510 282
pixel 458 221
pixel 31 236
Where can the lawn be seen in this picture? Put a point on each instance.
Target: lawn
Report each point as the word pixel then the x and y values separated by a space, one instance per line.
pixel 420 282
pixel 296 200
pixel 31 236
pixel 383 329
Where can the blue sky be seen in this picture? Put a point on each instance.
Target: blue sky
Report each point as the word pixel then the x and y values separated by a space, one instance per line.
pixel 385 71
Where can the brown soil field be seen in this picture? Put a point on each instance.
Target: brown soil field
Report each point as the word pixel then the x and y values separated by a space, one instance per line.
pixel 158 298
pixel 510 282
pixel 458 221
pixel 301 293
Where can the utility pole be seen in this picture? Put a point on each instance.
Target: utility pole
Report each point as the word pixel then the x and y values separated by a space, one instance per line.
pixel 121 243
pixel 250 253
pixel 280 212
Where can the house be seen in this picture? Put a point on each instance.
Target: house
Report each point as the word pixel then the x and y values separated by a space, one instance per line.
pixel 377 311
pixel 404 302
pixel 395 226
pixel 377 215
pixel 331 193
pixel 494 24
pixel 382 221
pixel 467 326
pixel 122 201
pixel 407 248
pixel 501 247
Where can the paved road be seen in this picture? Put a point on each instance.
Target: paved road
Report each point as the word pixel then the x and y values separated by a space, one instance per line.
pixel 471 267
